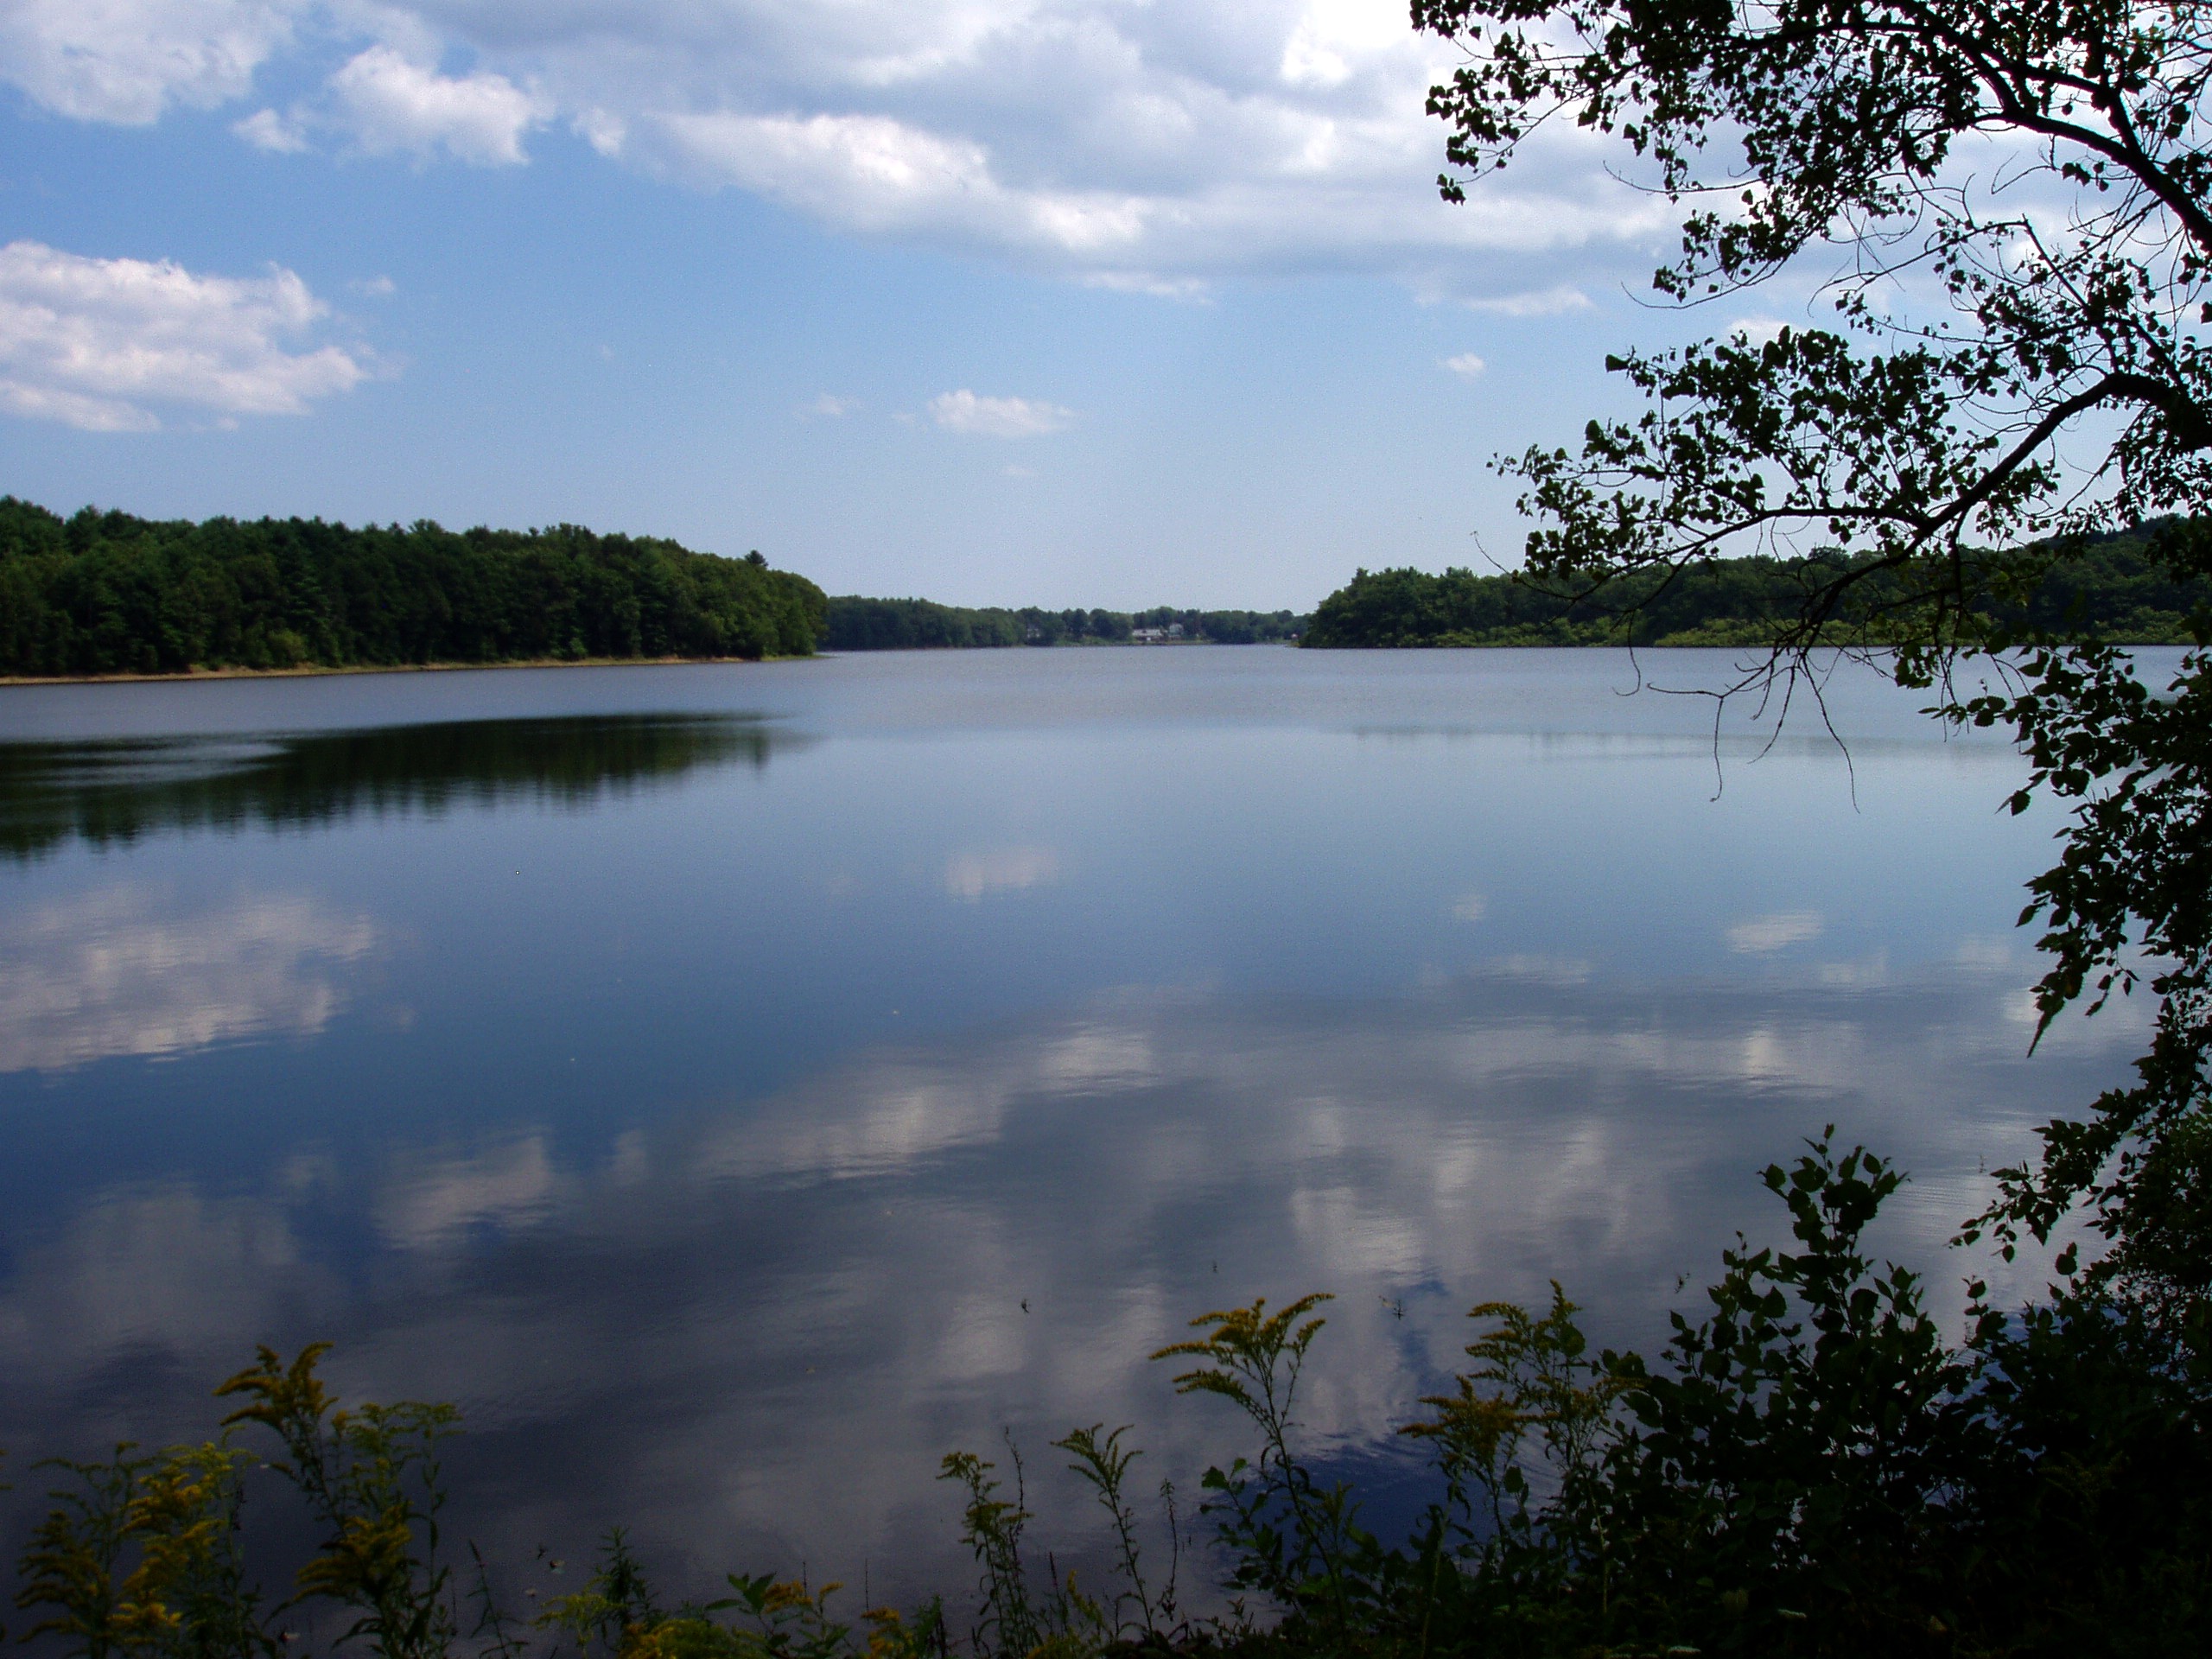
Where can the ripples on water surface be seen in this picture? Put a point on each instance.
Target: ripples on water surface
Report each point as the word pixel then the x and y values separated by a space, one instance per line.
pixel 736 1086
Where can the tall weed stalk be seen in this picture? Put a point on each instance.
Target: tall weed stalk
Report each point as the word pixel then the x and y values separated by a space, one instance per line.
pixel 374 1483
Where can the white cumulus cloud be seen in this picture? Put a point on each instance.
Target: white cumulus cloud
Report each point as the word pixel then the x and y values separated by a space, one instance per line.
pixel 108 344
pixel 870 172
pixel 997 417
pixel 1466 366
pixel 385 102
pixel 1540 303
pixel 128 60
pixel 266 130
pixel 1153 148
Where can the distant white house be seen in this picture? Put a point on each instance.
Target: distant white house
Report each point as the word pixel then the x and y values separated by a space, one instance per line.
pixel 1156 636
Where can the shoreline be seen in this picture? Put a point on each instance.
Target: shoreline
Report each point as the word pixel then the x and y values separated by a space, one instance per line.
pixel 317 671
pixel 212 675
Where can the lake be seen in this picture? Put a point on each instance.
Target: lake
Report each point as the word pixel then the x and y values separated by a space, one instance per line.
pixel 736 1086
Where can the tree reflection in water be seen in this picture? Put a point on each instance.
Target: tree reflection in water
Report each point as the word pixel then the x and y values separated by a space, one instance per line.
pixel 116 791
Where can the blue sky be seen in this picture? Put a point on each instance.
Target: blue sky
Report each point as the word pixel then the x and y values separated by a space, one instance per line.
pixel 1061 301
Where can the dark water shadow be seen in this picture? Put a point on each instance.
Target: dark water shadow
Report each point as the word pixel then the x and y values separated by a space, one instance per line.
pixel 115 792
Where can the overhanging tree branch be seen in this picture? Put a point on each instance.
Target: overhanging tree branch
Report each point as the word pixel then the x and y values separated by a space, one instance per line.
pixel 1936 468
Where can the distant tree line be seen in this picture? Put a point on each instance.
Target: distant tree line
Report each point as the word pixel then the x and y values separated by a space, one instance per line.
pixel 104 592
pixel 2111 589
pixel 858 624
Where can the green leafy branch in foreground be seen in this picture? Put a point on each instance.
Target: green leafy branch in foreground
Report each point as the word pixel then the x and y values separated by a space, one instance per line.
pixel 2129 901
pixel 1806 1467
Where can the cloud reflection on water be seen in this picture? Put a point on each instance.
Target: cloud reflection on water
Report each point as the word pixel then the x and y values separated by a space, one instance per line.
pixel 1763 935
pixel 1004 869
pixel 750 1330
pixel 429 1200
pixel 107 973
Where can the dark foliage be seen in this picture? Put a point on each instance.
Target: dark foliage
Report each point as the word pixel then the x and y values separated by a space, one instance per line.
pixel 1809 1468
pixel 109 594
pixel 2128 906
pixel 2115 589
pixel 857 624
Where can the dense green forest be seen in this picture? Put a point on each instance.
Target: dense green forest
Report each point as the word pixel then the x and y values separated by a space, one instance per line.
pixel 858 624
pixel 2114 591
pixel 106 593
pixel 110 593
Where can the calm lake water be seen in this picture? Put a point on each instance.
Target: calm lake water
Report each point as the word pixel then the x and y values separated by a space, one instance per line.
pixel 736 1086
